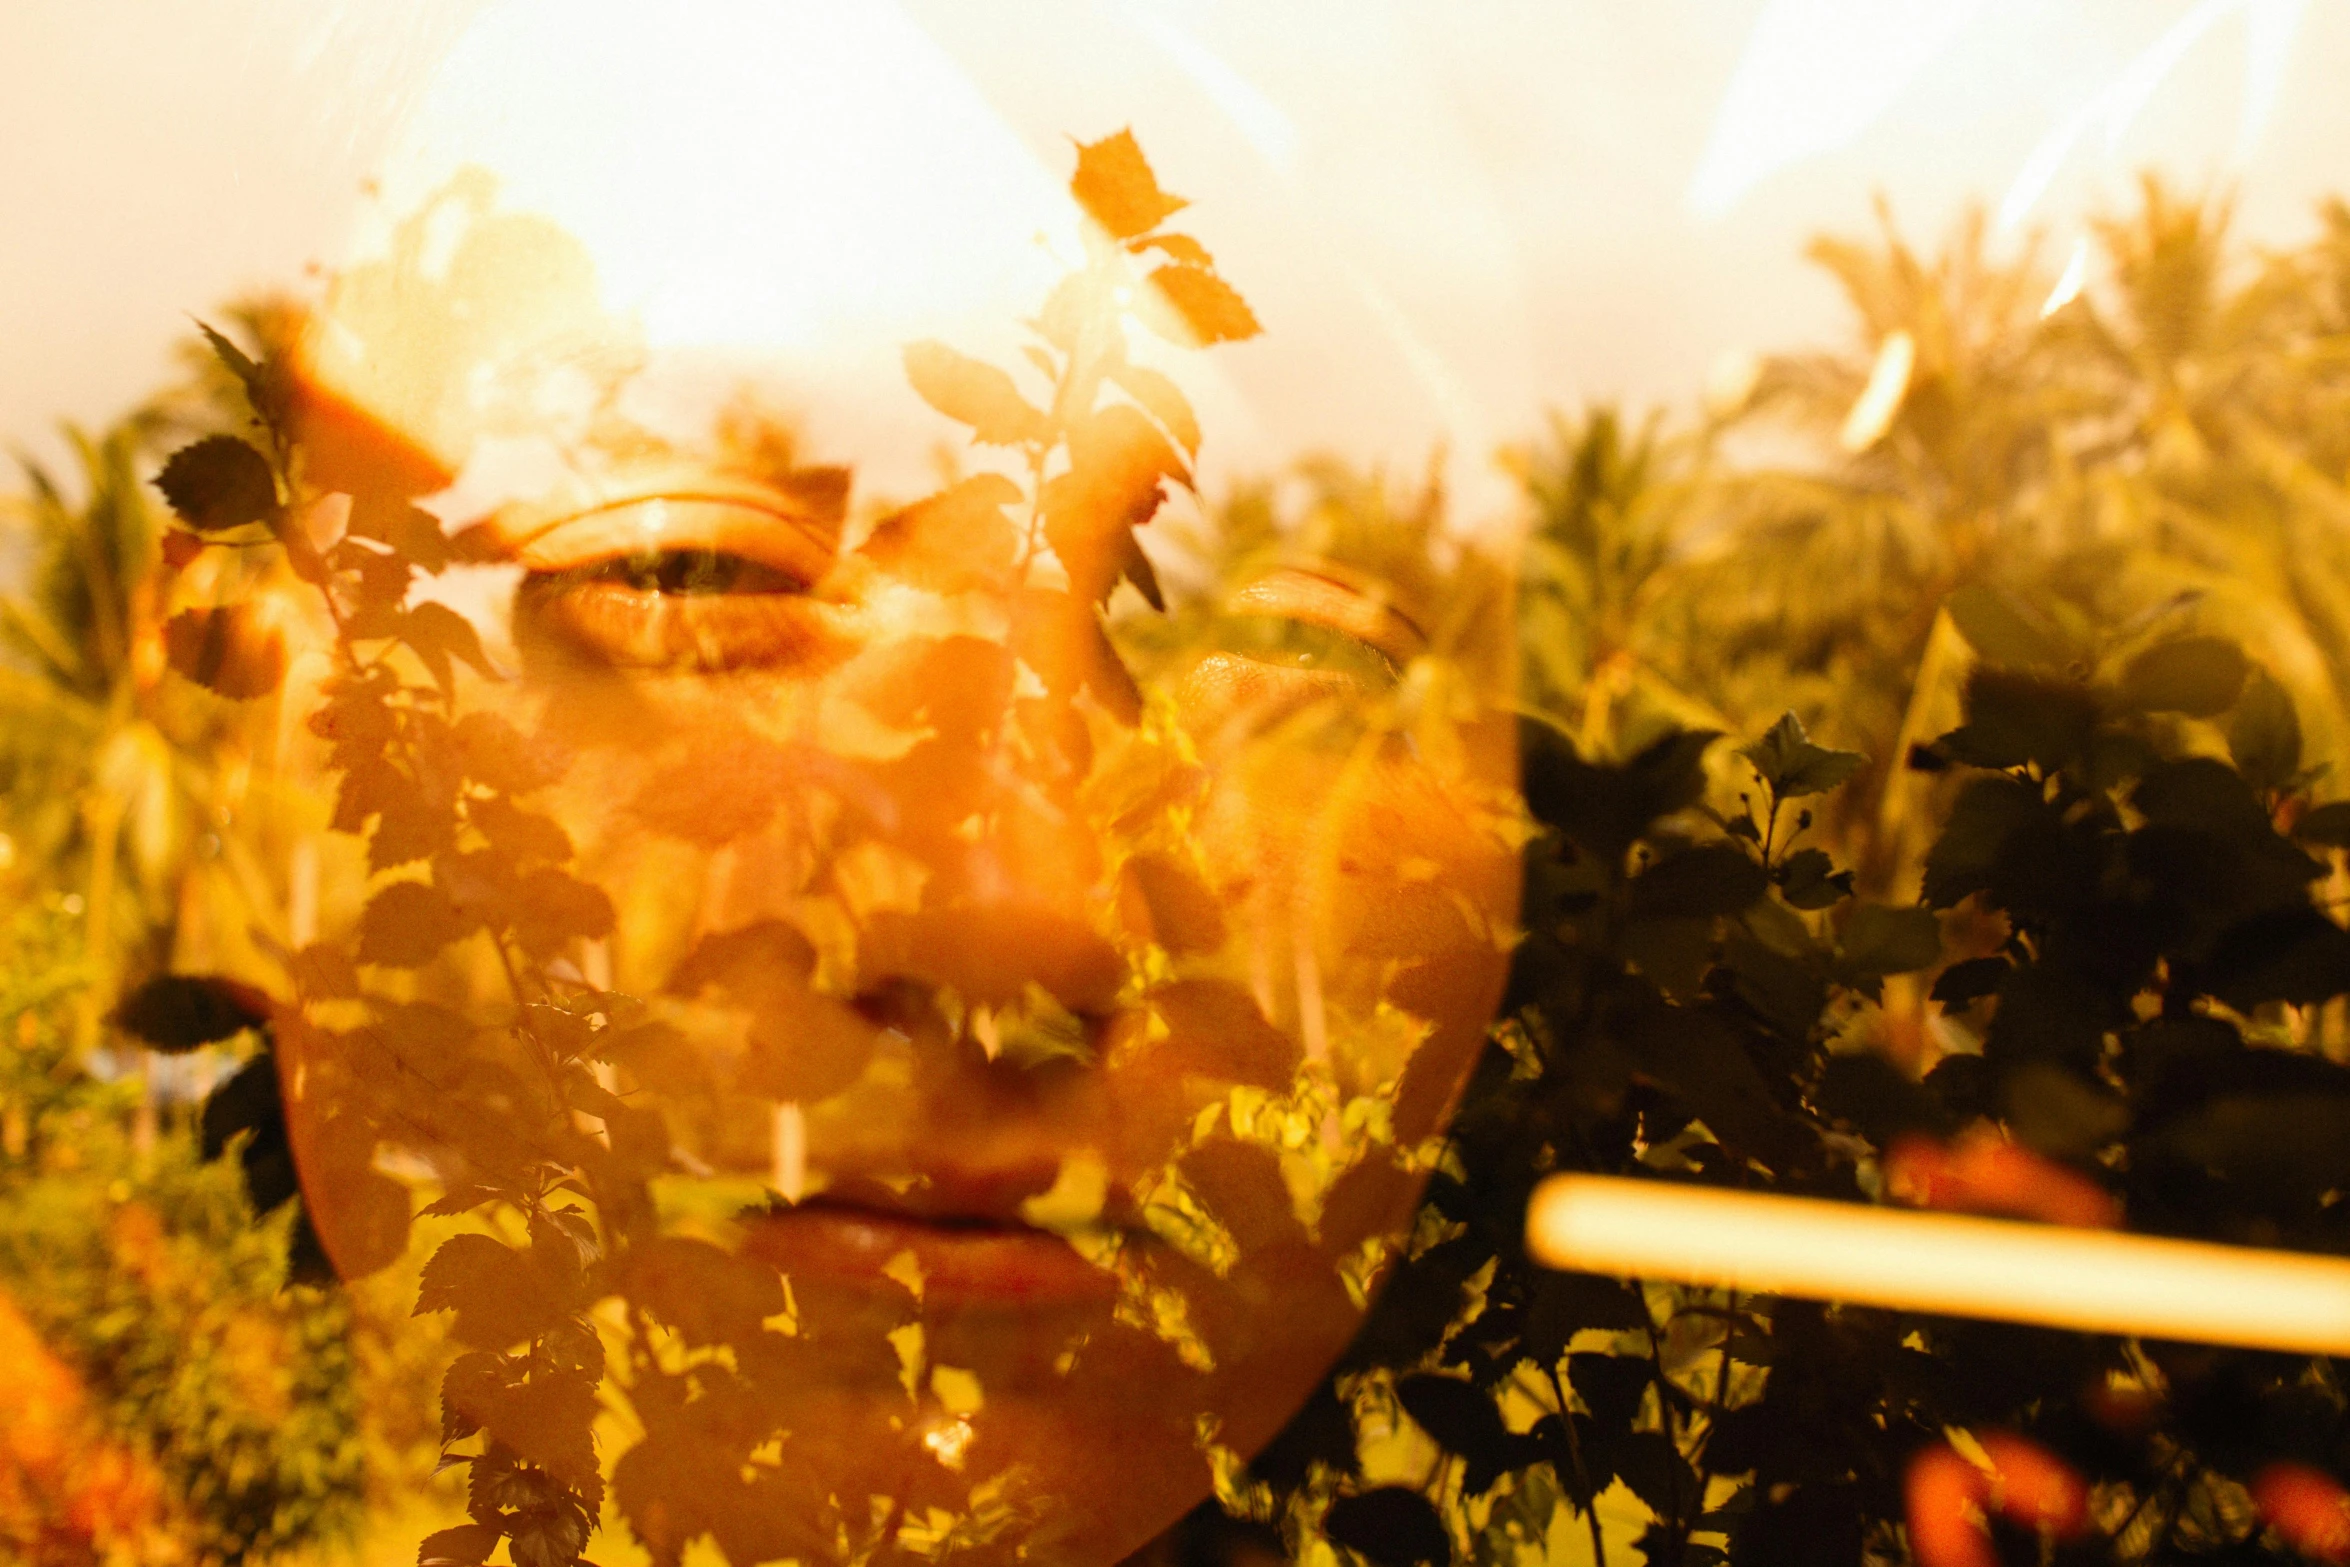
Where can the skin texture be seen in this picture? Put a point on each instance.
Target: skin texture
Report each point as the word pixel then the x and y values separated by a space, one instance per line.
pixel 1065 1019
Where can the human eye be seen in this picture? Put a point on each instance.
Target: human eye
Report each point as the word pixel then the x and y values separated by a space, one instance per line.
pixel 1322 624
pixel 677 584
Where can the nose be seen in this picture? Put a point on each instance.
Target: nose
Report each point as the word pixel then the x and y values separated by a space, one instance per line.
pixel 992 807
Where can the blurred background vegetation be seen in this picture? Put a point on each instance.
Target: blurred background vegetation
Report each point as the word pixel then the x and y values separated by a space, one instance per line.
pixel 1996 462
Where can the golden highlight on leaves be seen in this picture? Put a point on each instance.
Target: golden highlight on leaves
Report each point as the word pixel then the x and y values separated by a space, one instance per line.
pixel 1115 186
pixel 1199 308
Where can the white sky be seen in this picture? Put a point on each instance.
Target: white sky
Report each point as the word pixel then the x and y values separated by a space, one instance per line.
pixel 1448 214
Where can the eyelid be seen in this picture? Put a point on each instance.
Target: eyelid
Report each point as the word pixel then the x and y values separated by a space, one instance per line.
pixel 772 536
pixel 1292 594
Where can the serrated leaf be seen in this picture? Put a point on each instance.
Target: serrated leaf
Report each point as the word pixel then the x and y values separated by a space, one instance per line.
pixel 1792 767
pixel 497 1297
pixel 407 924
pixel 218 483
pixel 229 650
pixel 1192 307
pixel 2198 676
pixel 1115 186
pixel 438 634
pixel 1163 400
pixel 973 392
pixel 1809 880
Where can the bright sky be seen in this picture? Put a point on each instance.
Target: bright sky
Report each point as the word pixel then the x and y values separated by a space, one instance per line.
pixel 1447 216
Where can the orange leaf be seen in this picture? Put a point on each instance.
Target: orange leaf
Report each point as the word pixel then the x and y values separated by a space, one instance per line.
pixel 973 392
pixel 1196 308
pixel 1115 186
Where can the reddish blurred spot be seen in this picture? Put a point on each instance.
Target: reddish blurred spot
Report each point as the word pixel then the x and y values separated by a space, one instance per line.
pixel 1982 1172
pixel 2032 1487
pixel 2308 1507
pixel 1945 1497
pixel 1949 1498
pixel 66 1494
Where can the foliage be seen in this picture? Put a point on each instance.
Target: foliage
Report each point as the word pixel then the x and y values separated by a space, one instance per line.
pixel 151 1282
pixel 435 787
pixel 2145 1001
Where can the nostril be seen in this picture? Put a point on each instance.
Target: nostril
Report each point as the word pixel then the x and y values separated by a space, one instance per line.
pixel 991 954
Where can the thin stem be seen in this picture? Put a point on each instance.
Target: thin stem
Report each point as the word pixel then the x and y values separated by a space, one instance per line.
pixel 1582 1475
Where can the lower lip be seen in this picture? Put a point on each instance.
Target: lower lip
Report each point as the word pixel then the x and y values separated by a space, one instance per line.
pixel 1004 1266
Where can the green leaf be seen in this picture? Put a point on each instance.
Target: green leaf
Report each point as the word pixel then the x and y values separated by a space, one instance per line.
pixel 972 392
pixel 2003 631
pixel 1192 307
pixel 1115 186
pixel 2198 676
pixel 218 483
pixel 2264 737
pixel 1791 766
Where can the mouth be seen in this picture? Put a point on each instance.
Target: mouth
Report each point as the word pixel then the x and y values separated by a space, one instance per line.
pixel 960 1258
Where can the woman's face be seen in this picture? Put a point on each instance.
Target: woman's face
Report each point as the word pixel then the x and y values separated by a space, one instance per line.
pixel 1035 1035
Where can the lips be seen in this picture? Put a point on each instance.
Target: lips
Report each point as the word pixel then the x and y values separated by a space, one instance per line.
pixel 966 1258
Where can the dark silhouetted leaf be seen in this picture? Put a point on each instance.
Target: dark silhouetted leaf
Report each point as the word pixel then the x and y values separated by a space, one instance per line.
pixel 1809 880
pixel 1880 940
pixel 1962 984
pixel 2014 718
pixel 1713 878
pixel 176 1012
pixel 499 1299
pixel 219 482
pixel 466 1545
pixel 232 650
pixel 2198 676
pixel 2294 955
pixel 1464 1418
pixel 2264 737
pixel 2326 824
pixel 1966 856
pixel 1392 1526
pixel 1791 766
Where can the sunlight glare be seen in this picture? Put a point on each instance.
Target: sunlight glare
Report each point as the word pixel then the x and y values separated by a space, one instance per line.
pixel 2096 1281
pixel 2068 285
